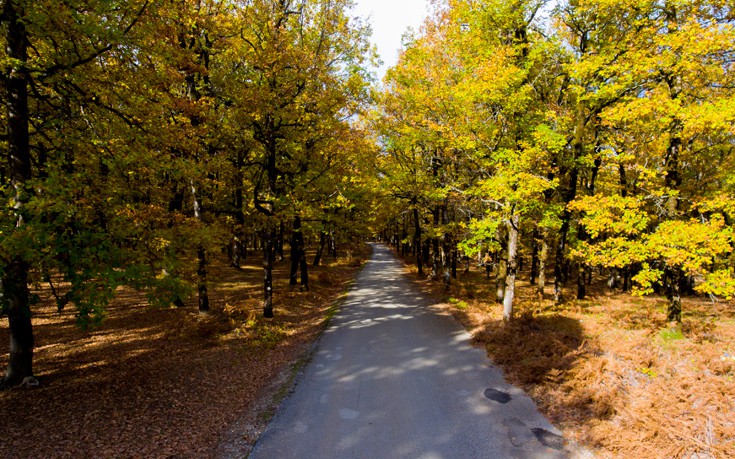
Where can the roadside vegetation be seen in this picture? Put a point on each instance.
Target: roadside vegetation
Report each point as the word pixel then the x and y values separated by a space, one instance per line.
pixel 170 382
pixel 610 370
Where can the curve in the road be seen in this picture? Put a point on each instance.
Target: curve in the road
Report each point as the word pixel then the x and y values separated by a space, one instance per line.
pixel 394 378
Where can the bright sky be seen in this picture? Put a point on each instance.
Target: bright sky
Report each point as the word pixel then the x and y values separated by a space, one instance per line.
pixel 390 19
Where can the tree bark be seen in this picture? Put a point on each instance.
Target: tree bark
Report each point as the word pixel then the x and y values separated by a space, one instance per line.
pixel 500 278
pixel 510 278
pixel 14 284
pixel 673 293
pixel 320 250
pixel 542 267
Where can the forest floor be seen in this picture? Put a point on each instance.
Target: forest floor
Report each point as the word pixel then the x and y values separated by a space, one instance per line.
pixel 609 370
pixel 160 383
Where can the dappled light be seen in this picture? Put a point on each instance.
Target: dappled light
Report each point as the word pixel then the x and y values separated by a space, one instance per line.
pixel 394 378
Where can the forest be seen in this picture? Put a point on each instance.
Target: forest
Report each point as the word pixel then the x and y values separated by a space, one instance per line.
pixel 576 143
pixel 604 143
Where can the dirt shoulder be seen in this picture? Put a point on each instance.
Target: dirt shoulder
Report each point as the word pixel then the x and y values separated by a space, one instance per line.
pixel 168 382
pixel 609 371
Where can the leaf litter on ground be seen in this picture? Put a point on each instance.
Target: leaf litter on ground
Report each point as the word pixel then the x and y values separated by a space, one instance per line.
pixel 160 383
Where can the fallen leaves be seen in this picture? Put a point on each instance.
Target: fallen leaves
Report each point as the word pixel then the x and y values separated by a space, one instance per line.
pixel 610 371
pixel 165 382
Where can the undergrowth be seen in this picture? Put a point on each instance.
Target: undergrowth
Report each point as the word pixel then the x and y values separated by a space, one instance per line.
pixel 609 370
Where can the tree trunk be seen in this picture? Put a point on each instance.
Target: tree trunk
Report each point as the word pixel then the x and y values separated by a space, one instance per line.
pixel 295 252
pixel 404 236
pixel 534 257
pixel 320 249
pixel 417 241
pixel 559 262
pixel 304 271
pixel 582 281
pixel 510 279
pixel 500 279
pixel 14 284
pixel 502 263
pixel 543 256
pixel 435 259
pixel 426 247
pixel 268 241
pixel 16 297
pixel 673 293
pixel 236 250
pixel 454 262
pixel 201 257
pixel 298 255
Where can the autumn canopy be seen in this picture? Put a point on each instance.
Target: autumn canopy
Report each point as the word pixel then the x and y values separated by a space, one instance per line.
pixel 141 138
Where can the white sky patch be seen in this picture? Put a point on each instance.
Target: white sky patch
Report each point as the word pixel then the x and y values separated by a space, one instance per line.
pixel 390 19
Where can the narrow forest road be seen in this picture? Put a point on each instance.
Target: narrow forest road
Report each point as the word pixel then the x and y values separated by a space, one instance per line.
pixel 392 378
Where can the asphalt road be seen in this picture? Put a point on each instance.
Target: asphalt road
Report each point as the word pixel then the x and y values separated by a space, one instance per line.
pixel 393 378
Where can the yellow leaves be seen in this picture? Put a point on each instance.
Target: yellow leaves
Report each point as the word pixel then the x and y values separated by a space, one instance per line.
pixel 645 280
pixel 690 245
pixel 715 116
pixel 719 283
pixel 611 215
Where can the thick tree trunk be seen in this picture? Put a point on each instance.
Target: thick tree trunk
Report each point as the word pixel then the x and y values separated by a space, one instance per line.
pixel 16 297
pixel 14 284
pixel 510 278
